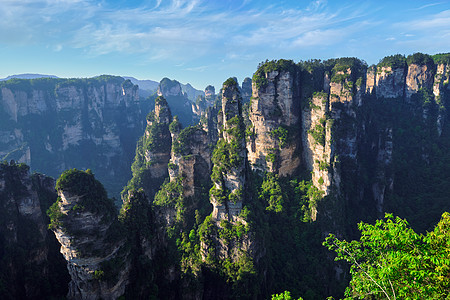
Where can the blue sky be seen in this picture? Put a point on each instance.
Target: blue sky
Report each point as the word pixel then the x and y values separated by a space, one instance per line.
pixel 205 42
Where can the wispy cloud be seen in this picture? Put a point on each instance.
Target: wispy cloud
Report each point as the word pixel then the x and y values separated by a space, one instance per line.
pixel 177 29
pixel 429 33
pixel 427 5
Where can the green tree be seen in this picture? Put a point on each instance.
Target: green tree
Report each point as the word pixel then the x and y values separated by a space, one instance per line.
pixel 391 261
pixel 284 296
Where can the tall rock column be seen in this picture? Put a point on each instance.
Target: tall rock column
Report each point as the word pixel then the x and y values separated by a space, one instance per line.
pixel 317 141
pixel 153 151
pixel 441 86
pixel 229 157
pixel 274 114
pixel 85 223
pixel 227 240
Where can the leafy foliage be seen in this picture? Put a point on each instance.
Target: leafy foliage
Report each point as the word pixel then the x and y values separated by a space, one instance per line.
pixel 441 58
pixel 284 296
pixel 271 192
pixel 394 61
pixel 92 193
pixel 391 261
pixel 282 134
pixel 184 141
pixel 420 59
pixel 318 132
pixel 282 65
pixel 175 126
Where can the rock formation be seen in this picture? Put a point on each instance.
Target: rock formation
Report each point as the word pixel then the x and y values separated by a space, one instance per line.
pixel 275 114
pixel 56 124
pixel 84 221
pixel 322 146
pixel 179 103
pixel 30 265
pixel 153 150
pixel 190 159
pixel 246 90
pixel 229 157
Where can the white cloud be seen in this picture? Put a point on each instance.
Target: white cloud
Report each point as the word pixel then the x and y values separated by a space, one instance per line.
pixel 319 38
pixel 430 33
pixel 176 29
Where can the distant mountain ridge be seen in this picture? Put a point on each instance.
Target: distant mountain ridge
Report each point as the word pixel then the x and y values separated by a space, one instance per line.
pixel 28 76
pixel 146 86
pixel 149 85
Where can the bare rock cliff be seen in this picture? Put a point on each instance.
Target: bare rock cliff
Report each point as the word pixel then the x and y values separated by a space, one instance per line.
pixel 56 124
pixel 275 115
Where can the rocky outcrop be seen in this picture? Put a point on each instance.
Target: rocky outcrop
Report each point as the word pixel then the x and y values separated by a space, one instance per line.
pixel 229 158
pixel 275 114
pixel 418 76
pixel 169 88
pixel 246 90
pixel 210 94
pixel 190 159
pixel 179 103
pixel 153 150
pixel 55 124
pixel 26 247
pixel 390 82
pixel 441 79
pixel 371 79
pixel 84 221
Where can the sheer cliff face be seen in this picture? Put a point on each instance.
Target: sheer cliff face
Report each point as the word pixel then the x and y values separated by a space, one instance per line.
pixel 246 90
pixel 345 132
pixel 418 76
pixel 342 128
pixel 55 124
pixel 192 163
pixel 275 115
pixel 317 141
pixel 441 79
pixel 390 82
pixel 25 244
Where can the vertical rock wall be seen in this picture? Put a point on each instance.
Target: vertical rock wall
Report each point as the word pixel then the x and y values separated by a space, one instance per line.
pixel 273 143
pixel 56 124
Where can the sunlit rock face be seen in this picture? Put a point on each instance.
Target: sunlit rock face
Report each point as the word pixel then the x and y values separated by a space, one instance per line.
pixel 275 111
pixel 418 77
